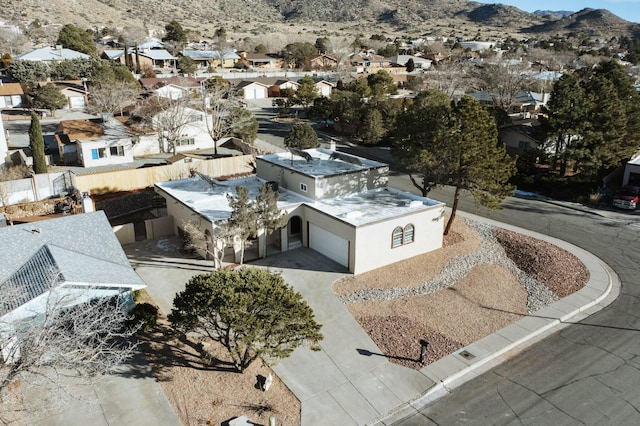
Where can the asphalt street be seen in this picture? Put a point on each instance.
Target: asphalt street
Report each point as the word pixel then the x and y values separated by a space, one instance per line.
pixel 587 373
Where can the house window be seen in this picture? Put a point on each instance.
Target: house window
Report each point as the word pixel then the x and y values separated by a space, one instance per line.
pixel 524 145
pixel 402 236
pixel 407 234
pixel 116 151
pixel 186 141
pixel 8 101
pixel 396 240
pixel 303 187
pixel 97 153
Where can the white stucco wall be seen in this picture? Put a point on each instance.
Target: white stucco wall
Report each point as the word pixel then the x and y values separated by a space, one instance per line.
pixel 373 242
pixel 632 166
pixel 86 158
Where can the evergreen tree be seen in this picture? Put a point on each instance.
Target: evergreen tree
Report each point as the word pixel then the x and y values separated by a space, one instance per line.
pixel 307 92
pixel 252 312
pixel 243 218
pixel 36 143
pixel 76 38
pixel 175 33
pixel 372 129
pixel 445 144
pixel 410 65
pixel 49 97
pixel 301 136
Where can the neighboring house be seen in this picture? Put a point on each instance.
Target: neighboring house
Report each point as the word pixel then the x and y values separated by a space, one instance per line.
pixel 75 91
pixel 259 60
pixel 367 62
pixel 212 58
pixel 518 139
pixel 61 262
pixel 401 61
pixel 528 102
pixel 477 46
pixel 97 143
pixel 524 103
pixel 160 60
pixel 51 54
pixel 322 61
pixel 115 55
pixel 252 90
pixel 324 88
pixel 337 204
pixel 172 87
pixel 11 95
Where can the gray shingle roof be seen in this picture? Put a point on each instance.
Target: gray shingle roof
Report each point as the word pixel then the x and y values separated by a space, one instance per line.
pixel 51 54
pixel 79 250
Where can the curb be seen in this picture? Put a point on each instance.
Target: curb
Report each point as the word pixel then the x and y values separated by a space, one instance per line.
pixel 472 360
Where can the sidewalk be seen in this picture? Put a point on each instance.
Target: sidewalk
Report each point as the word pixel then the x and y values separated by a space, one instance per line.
pixel 350 382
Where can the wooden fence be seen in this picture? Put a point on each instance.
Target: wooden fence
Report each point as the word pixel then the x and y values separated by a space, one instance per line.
pixel 130 179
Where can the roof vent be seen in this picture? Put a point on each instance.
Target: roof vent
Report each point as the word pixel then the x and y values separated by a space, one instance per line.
pixel 36 231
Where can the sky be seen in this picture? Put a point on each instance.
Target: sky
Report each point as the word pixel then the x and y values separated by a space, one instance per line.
pixel 625 9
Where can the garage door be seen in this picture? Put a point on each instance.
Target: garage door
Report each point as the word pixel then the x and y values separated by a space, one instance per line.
pixel 77 101
pixel 329 244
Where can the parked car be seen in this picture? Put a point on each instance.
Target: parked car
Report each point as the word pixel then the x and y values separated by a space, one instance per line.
pixel 627 197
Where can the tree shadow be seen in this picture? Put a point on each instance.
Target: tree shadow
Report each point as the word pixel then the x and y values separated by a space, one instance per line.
pixel 162 350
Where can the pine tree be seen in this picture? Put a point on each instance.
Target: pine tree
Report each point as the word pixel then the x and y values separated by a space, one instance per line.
pixel 445 144
pixel 36 143
pixel 252 312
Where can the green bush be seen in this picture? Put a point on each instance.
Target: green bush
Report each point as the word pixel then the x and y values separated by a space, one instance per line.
pixel 145 315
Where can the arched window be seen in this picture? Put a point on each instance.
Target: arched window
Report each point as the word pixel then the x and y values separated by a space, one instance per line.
pixel 408 234
pixel 396 240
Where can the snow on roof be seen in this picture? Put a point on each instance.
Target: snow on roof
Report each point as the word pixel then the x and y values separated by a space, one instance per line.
pixel 323 162
pixel 374 205
pixel 210 200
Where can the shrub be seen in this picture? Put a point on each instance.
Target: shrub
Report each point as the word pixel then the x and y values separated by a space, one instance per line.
pixel 145 315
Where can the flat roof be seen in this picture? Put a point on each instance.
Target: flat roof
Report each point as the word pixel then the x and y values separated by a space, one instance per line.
pixel 374 205
pixel 210 200
pixel 320 162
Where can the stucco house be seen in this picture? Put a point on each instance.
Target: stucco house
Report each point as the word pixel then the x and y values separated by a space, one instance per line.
pixel 212 58
pixel 337 204
pixel 160 60
pixel 62 262
pixel 518 139
pixel 252 90
pixel 259 60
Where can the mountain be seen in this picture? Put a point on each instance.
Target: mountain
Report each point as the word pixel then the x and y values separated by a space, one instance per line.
pixel 553 14
pixel 255 17
pixel 592 22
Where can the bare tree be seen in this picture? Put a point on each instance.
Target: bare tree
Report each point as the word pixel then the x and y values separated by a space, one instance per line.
pixel 113 96
pixel 219 102
pixel 12 42
pixel 168 117
pixel 451 77
pixel 65 341
pixel 340 48
pixel 503 81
